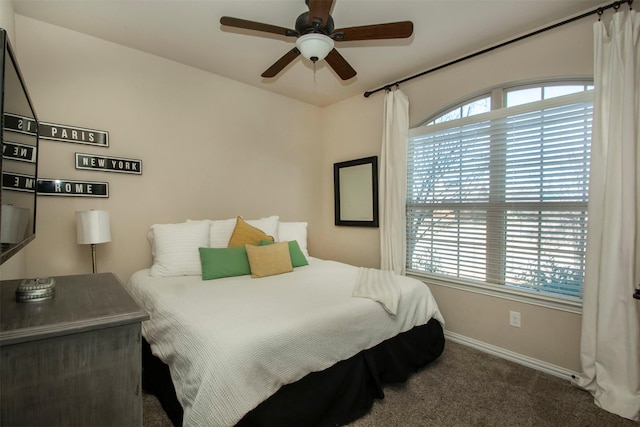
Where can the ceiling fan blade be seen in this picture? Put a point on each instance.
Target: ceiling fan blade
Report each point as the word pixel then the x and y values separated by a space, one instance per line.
pixel 392 30
pixel 319 9
pixel 256 26
pixel 281 63
pixel 340 65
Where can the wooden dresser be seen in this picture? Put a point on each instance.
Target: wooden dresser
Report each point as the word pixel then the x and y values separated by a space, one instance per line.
pixel 74 360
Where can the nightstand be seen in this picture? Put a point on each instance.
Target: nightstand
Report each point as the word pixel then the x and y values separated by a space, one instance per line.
pixel 74 360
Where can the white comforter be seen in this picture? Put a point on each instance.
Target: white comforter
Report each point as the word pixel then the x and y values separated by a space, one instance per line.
pixel 231 343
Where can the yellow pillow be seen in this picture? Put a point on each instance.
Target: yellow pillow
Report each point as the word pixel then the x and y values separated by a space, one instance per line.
pixel 245 234
pixel 269 260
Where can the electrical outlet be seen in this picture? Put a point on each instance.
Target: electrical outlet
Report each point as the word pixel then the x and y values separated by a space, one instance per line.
pixel 514 319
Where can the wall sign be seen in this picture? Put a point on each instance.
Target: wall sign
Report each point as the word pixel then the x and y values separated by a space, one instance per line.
pixel 54 187
pixel 108 164
pixel 65 187
pixel 17 151
pixel 54 132
pixel 22 124
pixel 78 135
pixel 18 182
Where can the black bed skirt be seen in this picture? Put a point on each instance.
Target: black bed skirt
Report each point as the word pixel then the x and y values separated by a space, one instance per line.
pixel 333 397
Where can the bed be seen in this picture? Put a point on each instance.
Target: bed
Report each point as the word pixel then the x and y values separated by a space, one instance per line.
pixel 285 349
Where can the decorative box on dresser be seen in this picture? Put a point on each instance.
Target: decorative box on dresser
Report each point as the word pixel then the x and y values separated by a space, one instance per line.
pixel 73 360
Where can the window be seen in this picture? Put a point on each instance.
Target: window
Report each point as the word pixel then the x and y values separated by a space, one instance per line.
pixel 511 97
pixel 500 198
pixel 519 96
pixel 469 108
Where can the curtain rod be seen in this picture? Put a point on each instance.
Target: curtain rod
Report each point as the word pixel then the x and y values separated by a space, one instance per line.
pixel 616 5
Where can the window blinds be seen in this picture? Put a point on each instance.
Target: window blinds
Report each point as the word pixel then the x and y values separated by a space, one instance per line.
pixel 501 197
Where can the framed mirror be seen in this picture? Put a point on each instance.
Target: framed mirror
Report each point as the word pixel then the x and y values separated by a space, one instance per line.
pixel 355 187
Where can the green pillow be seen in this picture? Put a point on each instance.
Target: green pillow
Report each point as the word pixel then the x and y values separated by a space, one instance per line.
pixel 224 262
pixel 297 257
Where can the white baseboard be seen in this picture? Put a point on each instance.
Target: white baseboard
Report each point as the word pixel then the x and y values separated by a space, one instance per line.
pixel 521 359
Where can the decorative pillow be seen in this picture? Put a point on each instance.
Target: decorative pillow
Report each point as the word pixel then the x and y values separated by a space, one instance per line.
pixel 224 262
pixel 220 232
pixel 269 260
pixel 176 248
pixel 297 257
pixel 245 234
pixel 297 231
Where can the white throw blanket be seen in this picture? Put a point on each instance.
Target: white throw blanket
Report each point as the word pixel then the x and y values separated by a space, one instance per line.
pixel 232 343
pixel 378 285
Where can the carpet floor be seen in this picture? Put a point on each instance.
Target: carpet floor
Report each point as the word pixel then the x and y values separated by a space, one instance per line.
pixel 467 387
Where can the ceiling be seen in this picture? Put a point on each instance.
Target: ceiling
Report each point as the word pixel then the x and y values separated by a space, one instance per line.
pixel 189 32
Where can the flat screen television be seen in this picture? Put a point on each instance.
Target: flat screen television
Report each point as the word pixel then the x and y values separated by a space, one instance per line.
pixel 19 161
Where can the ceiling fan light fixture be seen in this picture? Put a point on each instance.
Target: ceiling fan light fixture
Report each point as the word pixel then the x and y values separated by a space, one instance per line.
pixel 314 46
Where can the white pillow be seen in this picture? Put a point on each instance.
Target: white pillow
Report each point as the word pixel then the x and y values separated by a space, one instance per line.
pixel 220 232
pixel 150 237
pixel 151 242
pixel 176 248
pixel 294 231
pixel 268 225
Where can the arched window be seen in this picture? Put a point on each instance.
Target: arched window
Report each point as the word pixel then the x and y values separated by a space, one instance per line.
pixel 468 108
pixel 498 198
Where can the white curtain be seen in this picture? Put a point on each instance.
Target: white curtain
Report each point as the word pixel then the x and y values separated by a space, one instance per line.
pixel 610 346
pixel 393 182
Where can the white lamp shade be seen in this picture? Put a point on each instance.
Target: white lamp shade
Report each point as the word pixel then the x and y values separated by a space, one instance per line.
pixel 93 227
pixel 314 46
pixel 14 224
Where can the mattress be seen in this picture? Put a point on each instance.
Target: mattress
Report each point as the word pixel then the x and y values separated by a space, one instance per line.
pixel 232 343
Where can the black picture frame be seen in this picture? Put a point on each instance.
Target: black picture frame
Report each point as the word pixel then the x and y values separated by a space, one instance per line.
pixel 355 187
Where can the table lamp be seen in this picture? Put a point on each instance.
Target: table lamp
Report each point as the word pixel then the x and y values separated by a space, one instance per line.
pixel 93 228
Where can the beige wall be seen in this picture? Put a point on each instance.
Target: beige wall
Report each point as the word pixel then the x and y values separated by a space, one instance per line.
pixel 353 129
pixel 215 148
pixel 210 147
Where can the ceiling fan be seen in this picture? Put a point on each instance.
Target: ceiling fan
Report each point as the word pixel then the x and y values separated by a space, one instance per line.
pixel 315 36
